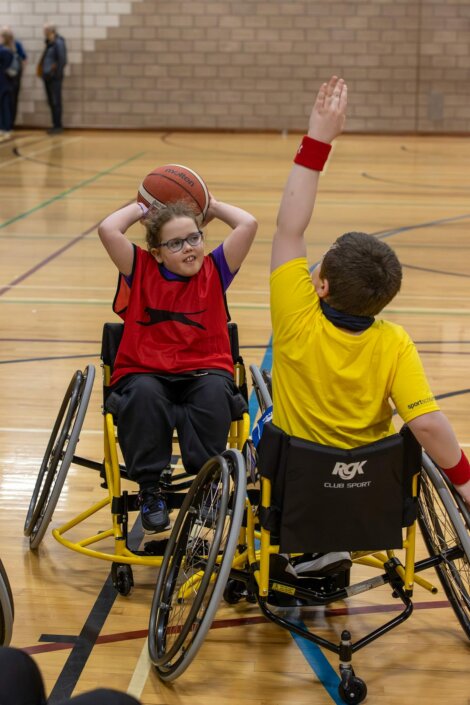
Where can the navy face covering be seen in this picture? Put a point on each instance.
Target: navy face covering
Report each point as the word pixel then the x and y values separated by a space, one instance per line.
pixel 349 321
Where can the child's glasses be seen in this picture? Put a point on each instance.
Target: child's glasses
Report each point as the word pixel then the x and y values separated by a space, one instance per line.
pixel 176 243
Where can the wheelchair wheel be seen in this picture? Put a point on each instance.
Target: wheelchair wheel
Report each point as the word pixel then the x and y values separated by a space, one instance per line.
pixel 262 386
pixel 444 522
pixel 196 564
pixel 6 608
pixel 58 455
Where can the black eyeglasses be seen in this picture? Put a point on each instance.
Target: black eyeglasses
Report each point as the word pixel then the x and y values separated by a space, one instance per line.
pixel 176 243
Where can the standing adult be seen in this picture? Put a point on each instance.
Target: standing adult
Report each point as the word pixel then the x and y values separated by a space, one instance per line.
pixel 20 58
pixel 6 90
pixel 51 70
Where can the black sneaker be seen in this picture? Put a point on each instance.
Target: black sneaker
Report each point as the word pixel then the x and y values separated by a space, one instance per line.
pixel 313 564
pixel 153 511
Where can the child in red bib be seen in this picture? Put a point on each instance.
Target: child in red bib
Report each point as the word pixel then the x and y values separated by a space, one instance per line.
pixel 174 366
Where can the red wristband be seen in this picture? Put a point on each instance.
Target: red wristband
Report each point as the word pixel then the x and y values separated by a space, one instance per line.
pixel 460 473
pixel 312 154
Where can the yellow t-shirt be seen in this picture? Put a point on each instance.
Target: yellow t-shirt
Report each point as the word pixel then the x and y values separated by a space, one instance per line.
pixel 333 387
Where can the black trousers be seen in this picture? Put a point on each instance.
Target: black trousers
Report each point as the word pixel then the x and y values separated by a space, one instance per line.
pixel 54 98
pixel 16 85
pixel 21 684
pixel 6 100
pixel 147 408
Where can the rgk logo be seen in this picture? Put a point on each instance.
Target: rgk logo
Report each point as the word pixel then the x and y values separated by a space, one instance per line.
pixel 347 471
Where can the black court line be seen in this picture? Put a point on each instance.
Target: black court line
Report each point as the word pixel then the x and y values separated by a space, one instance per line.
pixel 45 162
pixel 416 185
pixel 83 646
pixel 449 353
pixel 50 357
pixel 49 341
pixel 381 234
pixel 457 393
pixel 97 355
pixel 435 271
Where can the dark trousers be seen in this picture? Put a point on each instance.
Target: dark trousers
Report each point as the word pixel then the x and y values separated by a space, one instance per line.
pixel 6 98
pixel 21 684
pixel 54 98
pixel 148 408
pixel 15 84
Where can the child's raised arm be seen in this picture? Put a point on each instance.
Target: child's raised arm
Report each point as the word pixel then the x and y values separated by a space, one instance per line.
pixel 326 122
pixel 244 226
pixel 112 234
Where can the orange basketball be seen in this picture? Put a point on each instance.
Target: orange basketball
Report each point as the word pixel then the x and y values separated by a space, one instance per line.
pixel 175 182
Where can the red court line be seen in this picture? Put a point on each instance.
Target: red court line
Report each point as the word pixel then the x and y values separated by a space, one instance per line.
pixel 235 622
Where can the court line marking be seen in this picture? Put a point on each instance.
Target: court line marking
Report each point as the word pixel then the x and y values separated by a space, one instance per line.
pixel 141 673
pixel 13 429
pixel 48 202
pixel 322 668
pixel 49 148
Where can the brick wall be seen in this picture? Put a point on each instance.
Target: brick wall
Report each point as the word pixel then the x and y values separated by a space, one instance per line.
pixel 249 64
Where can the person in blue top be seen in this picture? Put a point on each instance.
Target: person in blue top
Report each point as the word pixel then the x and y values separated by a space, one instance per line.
pixel 6 87
pixel 20 59
pixel 51 69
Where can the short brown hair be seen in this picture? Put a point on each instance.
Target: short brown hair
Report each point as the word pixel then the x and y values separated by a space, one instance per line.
pixel 156 218
pixel 363 273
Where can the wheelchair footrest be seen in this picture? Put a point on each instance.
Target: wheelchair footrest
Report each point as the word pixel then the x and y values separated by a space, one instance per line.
pixel 153 548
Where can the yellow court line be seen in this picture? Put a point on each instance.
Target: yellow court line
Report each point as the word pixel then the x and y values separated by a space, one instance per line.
pixel 141 673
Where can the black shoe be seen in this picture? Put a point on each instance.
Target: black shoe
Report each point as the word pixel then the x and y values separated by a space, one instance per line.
pixel 153 511
pixel 55 131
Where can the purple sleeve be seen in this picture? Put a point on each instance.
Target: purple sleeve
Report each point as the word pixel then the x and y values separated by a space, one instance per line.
pixel 226 275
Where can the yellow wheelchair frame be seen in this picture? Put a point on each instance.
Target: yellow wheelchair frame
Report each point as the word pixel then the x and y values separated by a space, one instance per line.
pixel 60 454
pixel 220 546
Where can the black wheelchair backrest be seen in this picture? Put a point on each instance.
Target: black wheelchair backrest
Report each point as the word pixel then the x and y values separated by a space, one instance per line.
pixel 330 499
pixel 111 338
pixel 112 335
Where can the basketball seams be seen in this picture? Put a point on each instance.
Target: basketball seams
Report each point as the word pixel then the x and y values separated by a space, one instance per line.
pixel 181 186
pixel 176 182
pixel 200 181
pixel 151 200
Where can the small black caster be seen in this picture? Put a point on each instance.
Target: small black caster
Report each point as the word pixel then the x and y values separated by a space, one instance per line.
pixel 234 591
pixel 354 691
pixel 123 581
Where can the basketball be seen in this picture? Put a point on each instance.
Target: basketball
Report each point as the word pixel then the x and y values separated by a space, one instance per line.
pixel 175 182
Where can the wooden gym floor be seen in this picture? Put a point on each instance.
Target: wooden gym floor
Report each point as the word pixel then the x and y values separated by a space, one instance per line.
pixel 56 289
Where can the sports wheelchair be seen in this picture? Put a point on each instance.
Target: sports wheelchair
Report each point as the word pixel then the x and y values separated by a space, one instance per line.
pixel 229 529
pixel 60 454
pixel 7 609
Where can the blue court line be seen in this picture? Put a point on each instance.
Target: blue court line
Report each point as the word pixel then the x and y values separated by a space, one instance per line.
pixel 319 664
